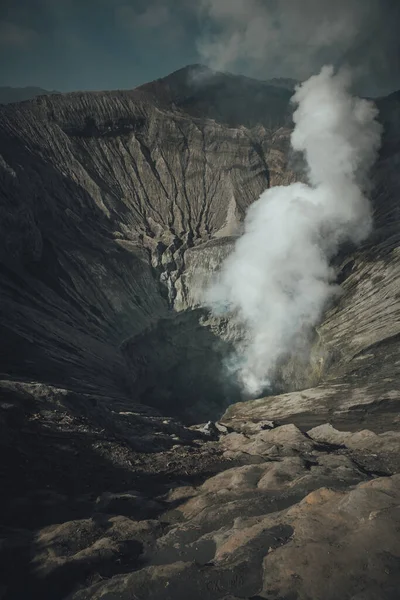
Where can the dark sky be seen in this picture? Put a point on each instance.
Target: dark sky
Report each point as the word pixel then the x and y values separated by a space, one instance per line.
pixel 90 44
pixel 106 44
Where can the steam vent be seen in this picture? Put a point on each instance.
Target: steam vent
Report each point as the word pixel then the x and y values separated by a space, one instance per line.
pixel 134 464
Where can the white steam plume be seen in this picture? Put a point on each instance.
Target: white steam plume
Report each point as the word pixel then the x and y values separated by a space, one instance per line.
pixel 278 278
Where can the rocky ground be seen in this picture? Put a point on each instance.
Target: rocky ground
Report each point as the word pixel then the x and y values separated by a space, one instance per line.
pixel 145 508
pixel 115 208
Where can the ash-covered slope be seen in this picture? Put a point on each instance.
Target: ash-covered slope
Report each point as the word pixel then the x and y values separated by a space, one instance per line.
pixel 102 196
pixel 113 207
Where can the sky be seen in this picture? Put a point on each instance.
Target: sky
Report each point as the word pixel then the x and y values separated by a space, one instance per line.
pixel 118 44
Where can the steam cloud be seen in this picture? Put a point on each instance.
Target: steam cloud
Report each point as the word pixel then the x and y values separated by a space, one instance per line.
pixel 294 38
pixel 278 278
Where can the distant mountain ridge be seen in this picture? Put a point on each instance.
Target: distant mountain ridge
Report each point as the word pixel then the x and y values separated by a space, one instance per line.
pixel 182 88
pixel 18 94
pixel 224 97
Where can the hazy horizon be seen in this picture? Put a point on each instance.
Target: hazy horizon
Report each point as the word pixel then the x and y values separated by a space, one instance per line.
pixel 72 45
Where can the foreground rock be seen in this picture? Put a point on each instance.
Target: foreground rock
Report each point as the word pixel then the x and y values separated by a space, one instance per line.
pixel 292 516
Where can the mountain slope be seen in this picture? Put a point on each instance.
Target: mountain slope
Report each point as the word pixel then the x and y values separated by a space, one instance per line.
pixel 232 99
pixel 110 188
